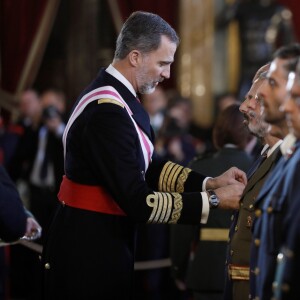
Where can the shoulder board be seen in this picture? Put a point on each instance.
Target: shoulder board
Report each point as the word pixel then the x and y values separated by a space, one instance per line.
pixel 112 101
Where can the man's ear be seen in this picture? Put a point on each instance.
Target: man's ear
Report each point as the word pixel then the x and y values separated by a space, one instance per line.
pixel 135 57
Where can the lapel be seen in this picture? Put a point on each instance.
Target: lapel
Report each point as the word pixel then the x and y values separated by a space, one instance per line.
pixel 272 179
pixel 139 114
pixel 264 168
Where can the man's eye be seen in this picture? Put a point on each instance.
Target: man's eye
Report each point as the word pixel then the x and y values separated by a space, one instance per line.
pixel 272 82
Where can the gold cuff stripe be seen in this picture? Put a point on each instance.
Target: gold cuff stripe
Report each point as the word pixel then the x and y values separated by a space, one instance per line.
pixel 238 272
pixel 152 201
pixel 173 177
pixel 178 204
pixel 165 206
pixel 182 179
pixel 162 206
pixel 169 208
pixel 214 234
pixel 112 101
pixel 162 175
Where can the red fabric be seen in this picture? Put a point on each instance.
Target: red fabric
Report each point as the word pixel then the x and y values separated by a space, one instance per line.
pixel 19 21
pixel 93 198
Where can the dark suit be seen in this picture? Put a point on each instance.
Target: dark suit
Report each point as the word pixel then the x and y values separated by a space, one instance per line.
pixel 240 236
pixel 209 253
pixel 12 214
pixel 88 254
pixel 12 219
pixel 272 204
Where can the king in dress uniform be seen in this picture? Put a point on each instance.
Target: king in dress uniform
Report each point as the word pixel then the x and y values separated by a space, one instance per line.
pixel 112 179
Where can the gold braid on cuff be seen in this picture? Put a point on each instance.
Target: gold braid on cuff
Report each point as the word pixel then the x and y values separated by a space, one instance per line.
pixel 173 178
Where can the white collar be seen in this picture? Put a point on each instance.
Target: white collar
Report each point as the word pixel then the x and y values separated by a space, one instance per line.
pixel 272 149
pixel 287 144
pixel 115 73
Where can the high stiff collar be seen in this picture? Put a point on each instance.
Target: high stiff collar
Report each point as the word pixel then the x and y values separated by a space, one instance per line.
pixel 139 114
pixel 119 76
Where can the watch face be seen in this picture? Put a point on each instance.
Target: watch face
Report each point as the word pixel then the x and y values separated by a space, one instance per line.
pixel 214 201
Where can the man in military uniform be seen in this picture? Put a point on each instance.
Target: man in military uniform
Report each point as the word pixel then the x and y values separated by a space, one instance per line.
pixel 238 256
pixel 112 179
pixel 192 253
pixel 273 198
pixel 286 284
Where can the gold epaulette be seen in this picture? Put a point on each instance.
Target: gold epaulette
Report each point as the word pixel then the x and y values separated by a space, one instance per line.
pixel 112 101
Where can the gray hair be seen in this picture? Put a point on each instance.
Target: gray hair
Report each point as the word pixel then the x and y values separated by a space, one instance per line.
pixel 142 31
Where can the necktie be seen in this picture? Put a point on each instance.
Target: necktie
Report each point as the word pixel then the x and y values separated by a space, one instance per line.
pixel 257 163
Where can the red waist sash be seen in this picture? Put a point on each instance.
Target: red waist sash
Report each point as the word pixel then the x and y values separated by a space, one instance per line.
pixel 93 198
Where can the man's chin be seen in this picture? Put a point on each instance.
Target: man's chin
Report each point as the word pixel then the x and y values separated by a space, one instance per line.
pixel 147 91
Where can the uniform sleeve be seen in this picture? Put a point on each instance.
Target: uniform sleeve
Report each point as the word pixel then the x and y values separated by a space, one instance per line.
pixel 12 214
pixel 112 149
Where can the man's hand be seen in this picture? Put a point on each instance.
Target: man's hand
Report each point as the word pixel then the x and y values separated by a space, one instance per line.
pixel 33 229
pixel 231 176
pixel 230 195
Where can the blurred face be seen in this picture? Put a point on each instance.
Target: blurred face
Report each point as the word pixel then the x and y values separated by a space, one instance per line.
pixel 273 93
pixel 252 111
pixel 29 104
pixel 51 98
pixel 155 66
pixel 155 102
pixel 292 104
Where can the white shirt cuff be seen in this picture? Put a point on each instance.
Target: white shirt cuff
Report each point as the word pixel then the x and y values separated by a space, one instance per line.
pixel 204 184
pixel 205 208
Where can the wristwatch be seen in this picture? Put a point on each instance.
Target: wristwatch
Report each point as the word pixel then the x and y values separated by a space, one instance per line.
pixel 213 199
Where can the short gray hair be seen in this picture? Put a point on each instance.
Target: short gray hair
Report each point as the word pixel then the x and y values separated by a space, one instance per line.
pixel 142 31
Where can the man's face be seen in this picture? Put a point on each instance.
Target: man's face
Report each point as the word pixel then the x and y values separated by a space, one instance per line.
pixel 292 105
pixel 29 104
pixel 273 92
pixel 251 109
pixel 155 66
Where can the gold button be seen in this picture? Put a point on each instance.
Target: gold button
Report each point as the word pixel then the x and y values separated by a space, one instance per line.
pixel 269 209
pixel 251 206
pixel 236 228
pixel 256 271
pixel 257 242
pixel 231 252
pixel 47 266
pixel 258 213
pixel 232 217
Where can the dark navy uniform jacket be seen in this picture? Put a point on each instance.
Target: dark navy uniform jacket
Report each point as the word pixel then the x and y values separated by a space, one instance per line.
pixel 286 284
pixel 280 190
pixel 12 214
pixel 91 254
